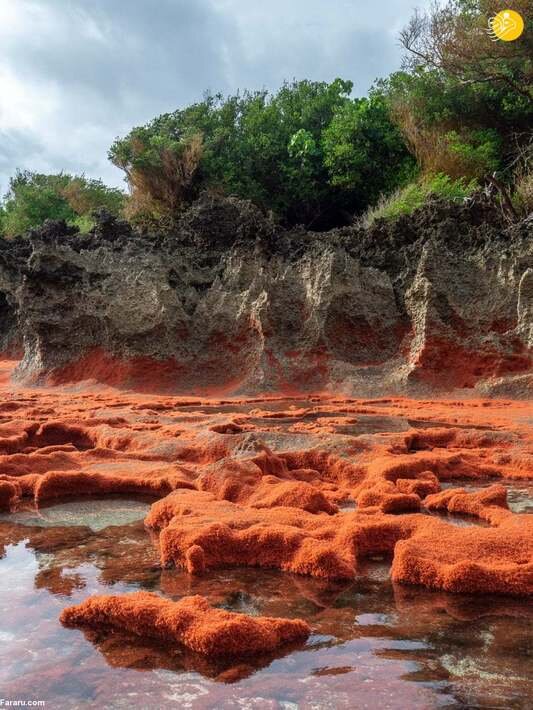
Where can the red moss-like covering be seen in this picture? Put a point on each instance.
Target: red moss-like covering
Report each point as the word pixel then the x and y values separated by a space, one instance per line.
pixel 57 484
pixel 489 504
pixel 227 499
pixel 191 622
pixel 199 533
pixel 470 560
pixel 9 494
pixel 225 534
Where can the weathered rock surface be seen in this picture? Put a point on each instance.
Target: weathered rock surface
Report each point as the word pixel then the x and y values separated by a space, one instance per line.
pixel 230 302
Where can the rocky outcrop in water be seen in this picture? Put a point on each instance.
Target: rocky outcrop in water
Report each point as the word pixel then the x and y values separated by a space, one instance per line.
pixel 231 302
pixel 191 622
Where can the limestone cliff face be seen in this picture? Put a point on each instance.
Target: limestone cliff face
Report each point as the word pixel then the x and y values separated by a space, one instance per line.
pixel 232 303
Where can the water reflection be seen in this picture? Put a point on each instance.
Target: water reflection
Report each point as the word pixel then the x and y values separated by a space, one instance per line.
pixel 373 643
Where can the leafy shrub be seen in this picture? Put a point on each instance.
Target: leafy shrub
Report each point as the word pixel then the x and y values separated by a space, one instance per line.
pixel 365 152
pixel 84 195
pixel 475 154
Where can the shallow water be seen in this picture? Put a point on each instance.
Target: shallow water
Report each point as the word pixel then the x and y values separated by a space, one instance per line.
pixel 373 643
pixel 96 513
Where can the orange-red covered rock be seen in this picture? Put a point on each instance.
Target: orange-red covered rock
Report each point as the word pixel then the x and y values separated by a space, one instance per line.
pixel 227 499
pixel 490 503
pixel 272 493
pixel 388 498
pixel 9 494
pixel 233 535
pixel 191 622
pixel 469 560
pixel 198 532
pixel 57 484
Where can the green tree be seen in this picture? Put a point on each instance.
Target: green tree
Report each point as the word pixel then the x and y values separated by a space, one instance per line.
pixel 365 151
pixel 247 149
pixel 278 150
pixel 35 197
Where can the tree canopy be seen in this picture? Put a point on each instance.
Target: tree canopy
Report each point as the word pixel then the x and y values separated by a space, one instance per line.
pixel 34 197
pixel 309 152
pixel 457 115
pixel 460 108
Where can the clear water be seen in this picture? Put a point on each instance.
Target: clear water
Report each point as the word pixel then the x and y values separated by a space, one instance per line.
pixel 374 644
pixel 96 513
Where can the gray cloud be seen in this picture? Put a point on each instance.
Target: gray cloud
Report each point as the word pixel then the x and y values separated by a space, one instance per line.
pixel 75 74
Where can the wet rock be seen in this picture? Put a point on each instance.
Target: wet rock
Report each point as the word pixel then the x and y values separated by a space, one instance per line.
pixel 191 622
pixel 489 504
pixel 9 494
pixel 470 560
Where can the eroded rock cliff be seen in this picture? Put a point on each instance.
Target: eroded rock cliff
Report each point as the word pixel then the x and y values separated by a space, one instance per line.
pixel 230 302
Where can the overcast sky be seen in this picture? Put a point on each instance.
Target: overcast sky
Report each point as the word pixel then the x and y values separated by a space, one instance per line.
pixel 74 74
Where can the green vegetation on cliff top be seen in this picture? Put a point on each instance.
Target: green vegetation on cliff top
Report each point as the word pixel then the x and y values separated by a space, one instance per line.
pixel 458 115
